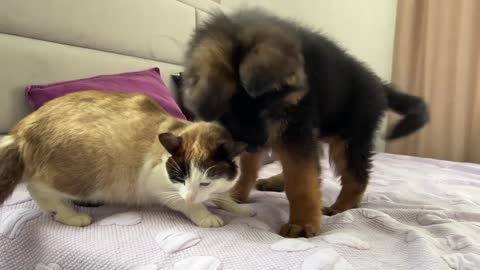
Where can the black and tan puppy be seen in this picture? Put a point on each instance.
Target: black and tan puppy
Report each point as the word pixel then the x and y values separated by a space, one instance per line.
pixel 274 83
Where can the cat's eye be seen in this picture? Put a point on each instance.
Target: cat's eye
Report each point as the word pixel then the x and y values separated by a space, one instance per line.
pixel 178 179
pixel 204 184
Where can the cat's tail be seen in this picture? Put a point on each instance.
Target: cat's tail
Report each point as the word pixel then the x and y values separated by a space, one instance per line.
pixel 11 166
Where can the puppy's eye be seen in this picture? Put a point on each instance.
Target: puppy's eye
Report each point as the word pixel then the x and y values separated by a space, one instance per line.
pixel 204 184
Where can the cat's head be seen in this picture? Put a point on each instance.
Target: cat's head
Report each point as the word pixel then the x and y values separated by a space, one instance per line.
pixel 203 161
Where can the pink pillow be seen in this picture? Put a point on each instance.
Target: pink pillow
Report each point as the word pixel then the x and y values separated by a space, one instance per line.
pixel 147 82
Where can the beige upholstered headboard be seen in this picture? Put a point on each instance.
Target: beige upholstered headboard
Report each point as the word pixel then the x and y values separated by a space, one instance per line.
pixel 55 40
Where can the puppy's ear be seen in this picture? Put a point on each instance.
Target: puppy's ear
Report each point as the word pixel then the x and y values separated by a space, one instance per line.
pixel 209 78
pixel 170 142
pixel 270 65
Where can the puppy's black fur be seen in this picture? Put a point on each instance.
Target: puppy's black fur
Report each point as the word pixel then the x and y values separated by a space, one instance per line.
pixel 252 69
pixel 345 98
pixel 178 81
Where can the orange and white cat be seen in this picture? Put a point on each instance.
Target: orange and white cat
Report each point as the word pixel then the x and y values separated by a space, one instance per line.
pixel 119 148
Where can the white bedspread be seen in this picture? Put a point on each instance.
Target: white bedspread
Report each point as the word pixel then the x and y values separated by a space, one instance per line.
pixel 417 214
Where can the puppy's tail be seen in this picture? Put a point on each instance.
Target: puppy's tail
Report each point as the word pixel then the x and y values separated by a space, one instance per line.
pixel 414 110
pixel 11 167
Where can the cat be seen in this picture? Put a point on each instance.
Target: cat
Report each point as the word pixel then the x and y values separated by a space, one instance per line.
pixel 120 148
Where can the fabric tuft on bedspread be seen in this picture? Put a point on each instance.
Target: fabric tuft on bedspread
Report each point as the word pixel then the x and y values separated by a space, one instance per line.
pixel 417 214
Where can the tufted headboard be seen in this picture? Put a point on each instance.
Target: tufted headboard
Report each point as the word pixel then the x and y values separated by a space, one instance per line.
pixel 55 40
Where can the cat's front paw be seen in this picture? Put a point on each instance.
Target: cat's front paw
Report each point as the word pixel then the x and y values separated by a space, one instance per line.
pixel 209 221
pixel 246 211
pixel 78 220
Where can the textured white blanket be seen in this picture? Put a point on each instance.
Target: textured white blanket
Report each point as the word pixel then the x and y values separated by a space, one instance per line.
pixel 417 214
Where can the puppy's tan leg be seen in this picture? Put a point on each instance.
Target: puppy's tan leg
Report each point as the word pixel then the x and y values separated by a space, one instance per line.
pixel 273 183
pixel 250 163
pixel 301 175
pixel 352 188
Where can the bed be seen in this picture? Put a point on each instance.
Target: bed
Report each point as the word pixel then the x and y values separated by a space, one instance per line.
pixel 417 213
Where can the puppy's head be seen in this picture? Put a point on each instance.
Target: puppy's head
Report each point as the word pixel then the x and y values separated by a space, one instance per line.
pixel 272 64
pixel 209 78
pixel 212 90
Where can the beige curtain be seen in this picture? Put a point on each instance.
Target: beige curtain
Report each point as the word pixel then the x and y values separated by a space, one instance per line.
pixel 437 56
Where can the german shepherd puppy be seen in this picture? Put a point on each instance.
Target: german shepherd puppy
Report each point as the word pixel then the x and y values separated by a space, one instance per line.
pixel 274 83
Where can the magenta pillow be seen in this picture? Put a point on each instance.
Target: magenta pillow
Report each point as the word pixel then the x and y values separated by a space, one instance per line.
pixel 147 82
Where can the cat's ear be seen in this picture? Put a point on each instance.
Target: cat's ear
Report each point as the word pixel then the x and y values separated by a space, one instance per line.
pixel 230 150
pixel 170 142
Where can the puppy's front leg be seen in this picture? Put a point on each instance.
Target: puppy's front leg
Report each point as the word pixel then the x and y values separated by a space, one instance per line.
pixel 301 172
pixel 250 163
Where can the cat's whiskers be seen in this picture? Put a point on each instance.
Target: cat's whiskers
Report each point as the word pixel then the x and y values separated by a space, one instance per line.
pixel 168 201
pixel 170 192
pixel 171 198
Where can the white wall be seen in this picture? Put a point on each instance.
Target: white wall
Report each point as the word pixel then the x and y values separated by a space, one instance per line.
pixel 364 27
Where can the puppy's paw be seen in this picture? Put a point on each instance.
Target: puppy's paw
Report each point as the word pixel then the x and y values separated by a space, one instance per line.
pixel 297 230
pixel 329 211
pixel 273 183
pixel 334 209
pixel 209 221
